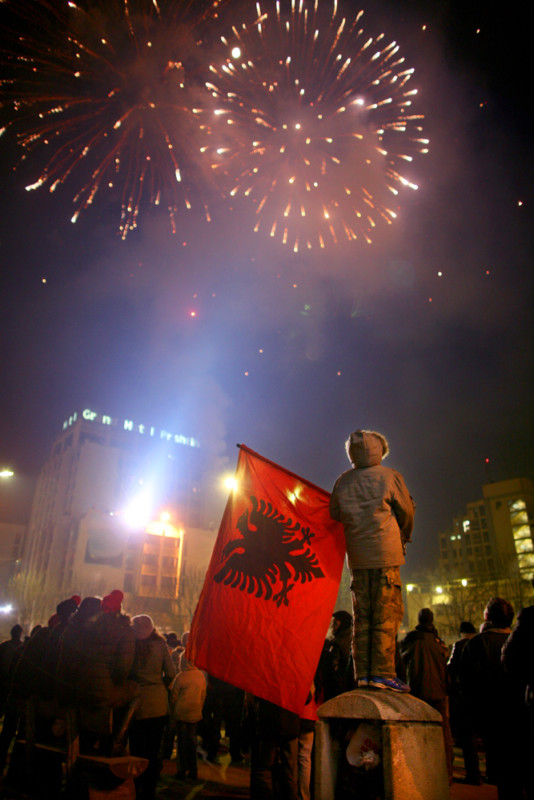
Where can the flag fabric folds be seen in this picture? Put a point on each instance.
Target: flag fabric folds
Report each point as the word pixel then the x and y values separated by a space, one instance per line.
pixel 271 585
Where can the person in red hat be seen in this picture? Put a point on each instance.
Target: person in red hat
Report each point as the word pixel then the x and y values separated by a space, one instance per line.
pixel 105 680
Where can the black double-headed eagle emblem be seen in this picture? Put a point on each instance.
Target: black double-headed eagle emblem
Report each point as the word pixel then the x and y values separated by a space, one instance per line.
pixel 268 552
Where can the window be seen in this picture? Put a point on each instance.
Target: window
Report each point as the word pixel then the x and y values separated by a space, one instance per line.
pixel 168 584
pixel 521 532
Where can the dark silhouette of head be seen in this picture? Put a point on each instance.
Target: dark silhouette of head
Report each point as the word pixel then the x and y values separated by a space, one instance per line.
pixel 467 627
pixel 344 619
pixel 16 632
pixel 425 617
pixel 499 612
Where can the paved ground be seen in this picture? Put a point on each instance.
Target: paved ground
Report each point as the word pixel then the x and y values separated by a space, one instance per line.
pixel 229 782
pixel 226 781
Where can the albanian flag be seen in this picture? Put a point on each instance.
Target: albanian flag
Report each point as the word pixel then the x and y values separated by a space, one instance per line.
pixel 271 585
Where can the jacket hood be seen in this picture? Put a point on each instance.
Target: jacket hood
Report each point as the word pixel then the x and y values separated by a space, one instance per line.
pixel 366 448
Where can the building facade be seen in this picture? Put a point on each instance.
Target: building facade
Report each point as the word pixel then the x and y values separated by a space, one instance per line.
pixel 12 537
pixel 494 539
pixel 489 552
pixel 113 506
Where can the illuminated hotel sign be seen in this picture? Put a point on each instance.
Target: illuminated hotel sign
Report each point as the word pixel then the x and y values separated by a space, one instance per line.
pixel 130 425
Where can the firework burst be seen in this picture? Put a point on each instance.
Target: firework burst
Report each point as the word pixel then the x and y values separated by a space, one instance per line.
pixel 314 123
pixel 105 89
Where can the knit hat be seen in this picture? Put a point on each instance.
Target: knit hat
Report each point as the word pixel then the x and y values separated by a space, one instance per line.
pixel 67 607
pixel 171 639
pixel 142 626
pixel 89 607
pixel 53 621
pixel 112 602
pixel 467 627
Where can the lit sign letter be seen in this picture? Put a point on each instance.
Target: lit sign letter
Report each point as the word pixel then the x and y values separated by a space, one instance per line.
pixel 88 414
pixel 128 425
pixel 141 428
pixel 106 420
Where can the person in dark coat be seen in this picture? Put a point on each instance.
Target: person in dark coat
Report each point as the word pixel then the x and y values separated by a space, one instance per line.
pixel 340 649
pixel 425 656
pixel 517 658
pixel 274 750
pixel 104 682
pixel 8 648
pixel 37 668
pixel 461 723
pixel 10 652
pixel 490 696
pixel 71 689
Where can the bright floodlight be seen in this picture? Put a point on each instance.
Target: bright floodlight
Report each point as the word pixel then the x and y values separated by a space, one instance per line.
pixel 139 512
pixel 236 52
pixel 6 473
pixel 7 609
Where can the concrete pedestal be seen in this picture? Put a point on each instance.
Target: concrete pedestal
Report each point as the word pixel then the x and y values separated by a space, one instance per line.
pixel 412 752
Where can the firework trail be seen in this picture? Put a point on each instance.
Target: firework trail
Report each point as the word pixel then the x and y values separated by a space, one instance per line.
pixel 313 122
pixel 105 89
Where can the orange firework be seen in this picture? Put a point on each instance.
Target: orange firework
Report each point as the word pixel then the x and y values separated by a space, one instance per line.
pixel 105 89
pixel 313 122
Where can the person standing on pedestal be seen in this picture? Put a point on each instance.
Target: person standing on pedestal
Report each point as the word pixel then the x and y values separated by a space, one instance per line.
pixel 377 512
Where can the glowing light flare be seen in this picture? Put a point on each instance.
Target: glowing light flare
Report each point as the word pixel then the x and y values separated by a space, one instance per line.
pixel 294 495
pixel 231 483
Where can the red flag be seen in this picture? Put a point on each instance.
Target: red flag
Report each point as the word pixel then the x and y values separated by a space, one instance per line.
pixel 271 586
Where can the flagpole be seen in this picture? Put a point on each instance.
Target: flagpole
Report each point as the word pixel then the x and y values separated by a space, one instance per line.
pixel 287 471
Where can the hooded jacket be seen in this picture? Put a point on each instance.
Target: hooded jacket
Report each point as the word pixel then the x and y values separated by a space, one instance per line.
pixel 374 506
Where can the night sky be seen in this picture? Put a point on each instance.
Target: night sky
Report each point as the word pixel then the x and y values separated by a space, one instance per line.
pixel 221 333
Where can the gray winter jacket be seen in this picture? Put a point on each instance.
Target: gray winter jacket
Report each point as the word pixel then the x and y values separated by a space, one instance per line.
pixel 374 506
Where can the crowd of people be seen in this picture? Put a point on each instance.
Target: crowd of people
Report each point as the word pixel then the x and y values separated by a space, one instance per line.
pixel 136 692
pixel 483 690
pixel 115 671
